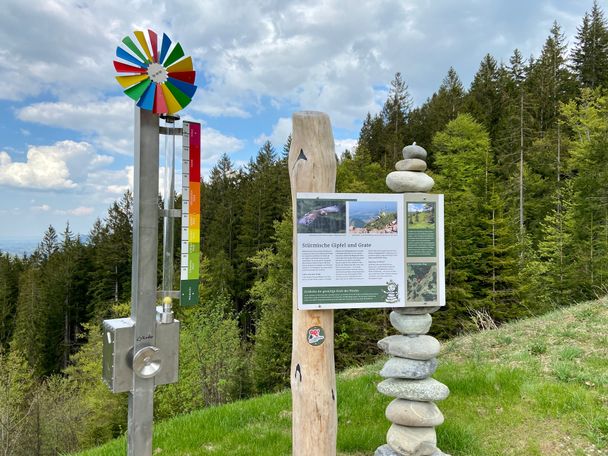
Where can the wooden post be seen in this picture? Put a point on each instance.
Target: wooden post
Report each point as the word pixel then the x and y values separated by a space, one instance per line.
pixel 312 168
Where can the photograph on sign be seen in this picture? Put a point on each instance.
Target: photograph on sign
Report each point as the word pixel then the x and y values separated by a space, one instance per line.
pixel 350 251
pixel 321 216
pixel 372 217
pixel 421 282
pixel 424 250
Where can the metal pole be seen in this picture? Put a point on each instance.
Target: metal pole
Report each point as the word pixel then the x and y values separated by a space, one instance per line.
pixel 143 287
pixel 169 205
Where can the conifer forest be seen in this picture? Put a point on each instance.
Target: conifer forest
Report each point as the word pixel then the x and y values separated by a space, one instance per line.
pixel 520 156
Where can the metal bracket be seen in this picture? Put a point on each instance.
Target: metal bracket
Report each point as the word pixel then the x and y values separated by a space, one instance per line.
pixel 171 131
pixel 175 213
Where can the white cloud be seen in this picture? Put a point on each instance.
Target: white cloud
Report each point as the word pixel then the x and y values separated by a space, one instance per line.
pixel 41 208
pixel 345 144
pixel 280 132
pixel 108 185
pixel 61 166
pixel 108 123
pixel 77 211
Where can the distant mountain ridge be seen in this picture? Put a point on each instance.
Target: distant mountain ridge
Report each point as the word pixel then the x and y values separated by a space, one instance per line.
pixel 21 247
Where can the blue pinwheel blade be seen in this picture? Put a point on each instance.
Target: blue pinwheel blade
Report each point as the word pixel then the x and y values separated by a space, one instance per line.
pixel 164 48
pixel 188 89
pixel 147 99
pixel 122 54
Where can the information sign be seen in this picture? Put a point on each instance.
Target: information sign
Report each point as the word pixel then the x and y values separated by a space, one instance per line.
pixel 369 250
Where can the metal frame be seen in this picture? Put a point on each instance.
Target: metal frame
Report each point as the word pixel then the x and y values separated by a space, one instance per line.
pixel 144 275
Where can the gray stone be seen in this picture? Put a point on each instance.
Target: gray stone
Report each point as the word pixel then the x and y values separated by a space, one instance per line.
pixel 411 441
pixel 411 324
pixel 408 368
pixel 386 450
pixel 411 164
pixel 438 452
pixel 416 310
pixel 428 389
pixel 414 151
pixel 414 413
pixel 409 181
pixel 417 347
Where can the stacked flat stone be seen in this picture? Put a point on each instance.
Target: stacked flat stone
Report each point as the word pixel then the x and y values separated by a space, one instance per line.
pixel 409 175
pixel 413 360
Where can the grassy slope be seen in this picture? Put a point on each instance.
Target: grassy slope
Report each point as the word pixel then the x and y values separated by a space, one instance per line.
pixel 535 387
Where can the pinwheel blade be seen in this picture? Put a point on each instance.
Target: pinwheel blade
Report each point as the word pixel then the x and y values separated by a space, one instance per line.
pixel 182 65
pixel 160 105
pixel 147 100
pixel 154 44
pixel 142 42
pixel 186 76
pixel 172 104
pixel 187 89
pixel 124 68
pixel 164 47
pixel 131 45
pixel 122 54
pixel 180 96
pixel 176 54
pixel 137 90
pixel 128 81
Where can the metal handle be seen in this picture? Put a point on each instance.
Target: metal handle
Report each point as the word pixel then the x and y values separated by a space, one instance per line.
pixel 147 362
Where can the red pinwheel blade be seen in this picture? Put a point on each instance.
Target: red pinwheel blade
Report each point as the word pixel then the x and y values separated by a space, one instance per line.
pixel 154 44
pixel 124 68
pixel 160 105
pixel 186 76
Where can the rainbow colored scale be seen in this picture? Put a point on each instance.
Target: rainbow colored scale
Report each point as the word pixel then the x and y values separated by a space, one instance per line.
pixel 160 79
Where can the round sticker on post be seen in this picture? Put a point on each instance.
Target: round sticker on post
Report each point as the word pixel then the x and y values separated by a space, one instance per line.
pixel 315 336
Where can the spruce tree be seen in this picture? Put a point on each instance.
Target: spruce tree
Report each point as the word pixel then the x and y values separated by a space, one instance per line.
pixel 590 53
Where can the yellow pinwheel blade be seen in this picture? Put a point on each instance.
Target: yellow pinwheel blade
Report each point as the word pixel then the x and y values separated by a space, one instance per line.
pixel 128 81
pixel 142 41
pixel 183 65
pixel 172 104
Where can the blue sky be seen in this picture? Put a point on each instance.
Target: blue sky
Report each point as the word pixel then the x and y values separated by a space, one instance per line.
pixel 66 130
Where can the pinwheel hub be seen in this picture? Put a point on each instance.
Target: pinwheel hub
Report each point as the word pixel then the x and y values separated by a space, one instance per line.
pixel 157 73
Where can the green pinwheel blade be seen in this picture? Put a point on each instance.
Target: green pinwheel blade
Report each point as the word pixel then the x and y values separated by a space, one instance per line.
pixel 176 54
pixel 137 90
pixel 180 96
pixel 131 45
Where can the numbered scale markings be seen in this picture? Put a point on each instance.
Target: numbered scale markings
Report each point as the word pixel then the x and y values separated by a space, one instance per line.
pixel 191 213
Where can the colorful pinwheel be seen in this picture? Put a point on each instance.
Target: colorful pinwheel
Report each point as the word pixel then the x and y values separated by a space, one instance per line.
pixel 161 82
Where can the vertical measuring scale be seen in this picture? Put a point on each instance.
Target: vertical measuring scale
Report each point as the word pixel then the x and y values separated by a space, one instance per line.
pixel 191 213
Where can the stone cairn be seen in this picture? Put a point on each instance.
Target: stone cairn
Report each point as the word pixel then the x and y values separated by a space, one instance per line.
pixel 407 373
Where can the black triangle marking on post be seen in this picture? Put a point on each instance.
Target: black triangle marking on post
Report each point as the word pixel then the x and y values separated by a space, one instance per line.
pixel 298 371
pixel 302 156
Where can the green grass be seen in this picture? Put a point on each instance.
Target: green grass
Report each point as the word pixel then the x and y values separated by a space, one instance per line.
pixel 535 387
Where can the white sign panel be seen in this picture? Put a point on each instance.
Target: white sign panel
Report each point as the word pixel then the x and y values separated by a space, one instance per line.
pixel 369 250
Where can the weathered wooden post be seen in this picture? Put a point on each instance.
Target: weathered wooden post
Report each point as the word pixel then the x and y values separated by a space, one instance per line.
pixel 312 168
